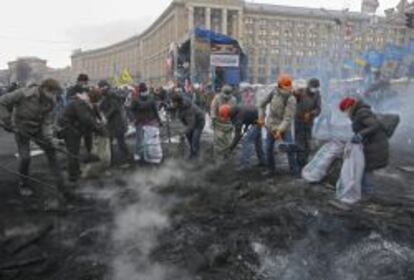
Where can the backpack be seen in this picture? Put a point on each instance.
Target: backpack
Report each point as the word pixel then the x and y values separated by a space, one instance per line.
pixel 285 98
pixel 389 123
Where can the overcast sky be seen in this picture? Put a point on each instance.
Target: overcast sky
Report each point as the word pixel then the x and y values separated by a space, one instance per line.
pixel 51 29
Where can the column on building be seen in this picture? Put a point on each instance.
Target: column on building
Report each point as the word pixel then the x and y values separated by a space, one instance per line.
pixel 241 24
pixel 224 21
pixel 190 18
pixel 208 18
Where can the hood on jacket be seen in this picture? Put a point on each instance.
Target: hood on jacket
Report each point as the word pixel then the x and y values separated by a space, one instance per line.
pixel 358 106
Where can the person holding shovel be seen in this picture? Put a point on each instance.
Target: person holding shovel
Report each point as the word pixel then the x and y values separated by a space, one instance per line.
pixel 222 127
pixel 282 108
pixel 28 113
pixel 193 119
pixel 246 117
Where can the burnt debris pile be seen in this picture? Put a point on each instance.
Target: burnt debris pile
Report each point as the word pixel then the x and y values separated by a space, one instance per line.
pixel 228 226
pixel 208 222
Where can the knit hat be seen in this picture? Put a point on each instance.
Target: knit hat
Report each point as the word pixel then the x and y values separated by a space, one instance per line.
pixel 142 87
pixel 346 103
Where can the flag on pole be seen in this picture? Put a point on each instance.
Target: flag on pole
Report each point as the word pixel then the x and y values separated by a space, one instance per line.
pixel 375 58
pixel 125 77
pixel 115 74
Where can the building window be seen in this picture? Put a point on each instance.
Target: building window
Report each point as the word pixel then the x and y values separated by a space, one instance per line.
pixel 263 32
pixel 216 20
pixel 274 51
pixel 233 23
pixel 199 16
pixel 262 60
pixel 275 71
pixel 262 71
pixel 249 20
pixel 274 42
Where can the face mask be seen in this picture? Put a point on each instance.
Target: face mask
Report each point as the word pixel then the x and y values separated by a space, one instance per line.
pixel 104 90
pixel 314 90
pixel 284 91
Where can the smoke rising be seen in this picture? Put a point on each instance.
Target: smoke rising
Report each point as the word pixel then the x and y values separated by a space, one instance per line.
pixel 136 227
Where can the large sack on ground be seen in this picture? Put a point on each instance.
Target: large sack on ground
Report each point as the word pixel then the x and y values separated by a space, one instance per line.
pixel 348 187
pixel 223 136
pixel 152 144
pixel 101 148
pixel 316 170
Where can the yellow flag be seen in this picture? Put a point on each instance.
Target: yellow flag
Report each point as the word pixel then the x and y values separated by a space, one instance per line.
pixel 360 61
pixel 125 77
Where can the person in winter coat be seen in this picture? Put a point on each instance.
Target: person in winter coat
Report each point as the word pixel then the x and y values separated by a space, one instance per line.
pixel 28 113
pixel 222 128
pixel 116 119
pixel 80 87
pixel 146 114
pixel 194 120
pixel 282 110
pixel 79 118
pixel 369 132
pixel 307 109
pixel 247 117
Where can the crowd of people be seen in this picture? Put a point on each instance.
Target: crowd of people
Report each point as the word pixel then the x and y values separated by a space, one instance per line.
pixel 83 113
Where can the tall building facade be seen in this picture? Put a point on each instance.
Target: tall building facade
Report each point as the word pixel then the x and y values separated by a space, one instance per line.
pixel 275 38
pixel 33 70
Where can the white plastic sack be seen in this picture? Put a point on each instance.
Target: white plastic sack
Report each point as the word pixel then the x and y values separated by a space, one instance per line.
pixel 318 167
pixel 152 144
pixel 348 187
pixel 102 148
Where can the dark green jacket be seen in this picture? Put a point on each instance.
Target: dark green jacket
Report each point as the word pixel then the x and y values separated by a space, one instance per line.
pixel 376 146
pixel 29 112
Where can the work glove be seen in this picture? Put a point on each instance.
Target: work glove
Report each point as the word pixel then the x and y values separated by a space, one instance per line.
pixel 357 139
pixel 7 125
pixel 261 122
pixel 182 137
pixel 277 134
pixel 307 117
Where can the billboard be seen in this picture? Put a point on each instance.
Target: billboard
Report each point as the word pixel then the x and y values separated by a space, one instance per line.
pixel 225 60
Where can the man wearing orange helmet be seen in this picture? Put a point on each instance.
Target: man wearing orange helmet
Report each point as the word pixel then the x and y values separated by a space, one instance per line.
pixel 282 109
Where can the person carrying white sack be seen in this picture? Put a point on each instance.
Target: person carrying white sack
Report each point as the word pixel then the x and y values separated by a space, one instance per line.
pixel 368 131
pixel 147 124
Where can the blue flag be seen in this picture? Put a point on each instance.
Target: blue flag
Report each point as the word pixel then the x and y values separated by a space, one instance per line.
pixel 394 52
pixel 410 47
pixel 374 58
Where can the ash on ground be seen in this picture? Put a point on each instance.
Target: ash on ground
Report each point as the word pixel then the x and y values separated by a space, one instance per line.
pixel 206 221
